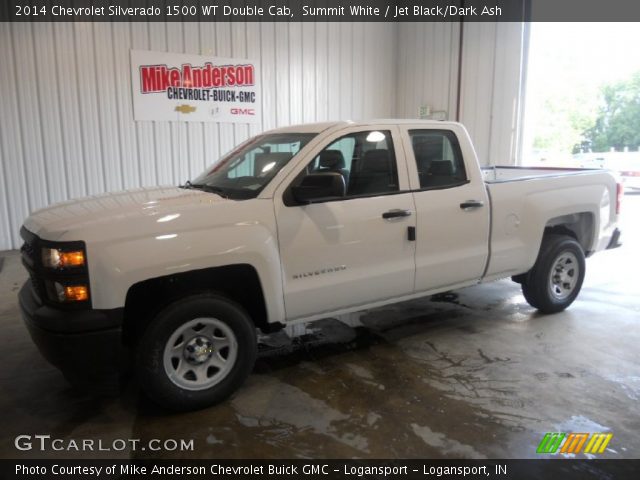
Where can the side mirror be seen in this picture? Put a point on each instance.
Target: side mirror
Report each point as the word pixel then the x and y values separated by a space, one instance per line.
pixel 316 187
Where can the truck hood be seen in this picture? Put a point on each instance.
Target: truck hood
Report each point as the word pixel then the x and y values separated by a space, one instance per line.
pixel 138 209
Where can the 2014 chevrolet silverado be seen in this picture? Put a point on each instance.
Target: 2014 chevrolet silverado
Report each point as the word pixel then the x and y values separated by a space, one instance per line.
pixel 297 224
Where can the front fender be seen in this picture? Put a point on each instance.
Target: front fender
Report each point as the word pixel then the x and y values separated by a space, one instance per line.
pixel 117 264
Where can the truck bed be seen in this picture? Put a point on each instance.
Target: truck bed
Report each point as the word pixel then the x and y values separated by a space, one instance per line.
pixel 524 201
pixel 497 174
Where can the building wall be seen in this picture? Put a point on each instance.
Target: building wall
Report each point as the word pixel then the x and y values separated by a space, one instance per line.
pixel 489 78
pixel 428 67
pixel 68 130
pixel 492 83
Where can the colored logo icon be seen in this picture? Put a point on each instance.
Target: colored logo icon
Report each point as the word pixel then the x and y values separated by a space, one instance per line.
pixel 574 443
pixel 185 109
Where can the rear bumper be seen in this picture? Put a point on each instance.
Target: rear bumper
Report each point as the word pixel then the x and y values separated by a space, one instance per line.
pixel 615 240
pixel 70 340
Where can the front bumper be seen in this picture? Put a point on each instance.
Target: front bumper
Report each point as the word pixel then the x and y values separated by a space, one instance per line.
pixel 81 343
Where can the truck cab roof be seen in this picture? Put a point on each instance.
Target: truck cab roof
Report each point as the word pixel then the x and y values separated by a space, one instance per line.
pixel 322 126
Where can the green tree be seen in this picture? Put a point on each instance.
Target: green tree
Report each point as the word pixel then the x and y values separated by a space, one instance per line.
pixel 567 110
pixel 617 124
pixel 566 117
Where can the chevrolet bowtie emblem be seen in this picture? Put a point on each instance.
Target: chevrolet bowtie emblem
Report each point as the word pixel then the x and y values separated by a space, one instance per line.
pixel 185 109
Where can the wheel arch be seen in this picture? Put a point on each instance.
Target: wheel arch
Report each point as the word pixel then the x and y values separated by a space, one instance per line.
pixel 538 284
pixel 238 282
pixel 580 226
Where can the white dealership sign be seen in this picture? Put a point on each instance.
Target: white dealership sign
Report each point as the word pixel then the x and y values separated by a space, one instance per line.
pixel 194 88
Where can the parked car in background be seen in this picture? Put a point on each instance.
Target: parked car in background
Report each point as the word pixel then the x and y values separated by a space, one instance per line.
pixel 625 164
pixel 629 170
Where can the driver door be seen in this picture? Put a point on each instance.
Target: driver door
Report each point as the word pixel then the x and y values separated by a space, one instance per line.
pixel 354 250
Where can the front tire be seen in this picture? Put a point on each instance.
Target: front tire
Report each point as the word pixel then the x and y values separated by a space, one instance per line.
pixel 196 352
pixel 556 278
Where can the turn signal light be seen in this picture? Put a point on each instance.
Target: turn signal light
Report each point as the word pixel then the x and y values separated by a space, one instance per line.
pixel 72 259
pixel 77 293
pixel 72 293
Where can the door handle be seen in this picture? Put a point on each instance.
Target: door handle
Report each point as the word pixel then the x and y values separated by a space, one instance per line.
pixel 471 204
pixel 396 213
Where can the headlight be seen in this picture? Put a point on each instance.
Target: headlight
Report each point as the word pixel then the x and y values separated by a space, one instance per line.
pixel 56 258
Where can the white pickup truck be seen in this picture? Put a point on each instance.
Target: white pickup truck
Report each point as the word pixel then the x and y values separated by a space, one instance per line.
pixel 297 224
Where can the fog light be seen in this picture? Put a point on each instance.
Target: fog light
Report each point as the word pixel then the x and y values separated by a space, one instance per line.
pixel 72 293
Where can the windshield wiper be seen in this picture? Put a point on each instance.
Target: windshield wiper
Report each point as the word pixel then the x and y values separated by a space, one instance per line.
pixel 207 188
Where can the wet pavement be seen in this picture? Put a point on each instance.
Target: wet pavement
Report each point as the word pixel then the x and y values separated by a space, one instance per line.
pixel 474 374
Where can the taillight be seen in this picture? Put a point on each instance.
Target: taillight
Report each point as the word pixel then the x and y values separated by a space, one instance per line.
pixel 619 193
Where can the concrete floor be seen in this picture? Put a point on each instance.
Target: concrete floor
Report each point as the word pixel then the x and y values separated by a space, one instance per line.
pixel 474 374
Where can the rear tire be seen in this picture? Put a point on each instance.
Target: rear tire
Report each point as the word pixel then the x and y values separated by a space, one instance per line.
pixel 556 278
pixel 196 352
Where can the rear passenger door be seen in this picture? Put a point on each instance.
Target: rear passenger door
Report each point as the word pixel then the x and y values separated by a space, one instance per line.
pixel 452 210
pixel 351 250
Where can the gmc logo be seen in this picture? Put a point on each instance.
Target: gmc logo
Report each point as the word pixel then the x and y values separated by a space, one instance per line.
pixel 242 111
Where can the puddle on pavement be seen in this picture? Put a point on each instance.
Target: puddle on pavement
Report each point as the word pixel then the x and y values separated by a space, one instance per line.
pixel 359 395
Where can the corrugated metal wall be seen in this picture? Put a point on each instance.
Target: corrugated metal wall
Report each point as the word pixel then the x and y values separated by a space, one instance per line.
pixel 491 89
pixel 491 80
pixel 69 132
pixel 428 67
pixel 67 126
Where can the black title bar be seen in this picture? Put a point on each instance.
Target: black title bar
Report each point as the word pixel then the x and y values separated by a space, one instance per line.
pixel 320 10
pixel 319 469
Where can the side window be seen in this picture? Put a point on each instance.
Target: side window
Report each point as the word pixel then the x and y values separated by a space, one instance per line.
pixel 366 160
pixel 438 158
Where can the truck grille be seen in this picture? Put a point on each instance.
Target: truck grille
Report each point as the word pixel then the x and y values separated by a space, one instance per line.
pixel 28 253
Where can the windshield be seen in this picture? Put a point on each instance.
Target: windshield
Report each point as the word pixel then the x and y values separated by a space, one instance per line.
pixel 245 171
